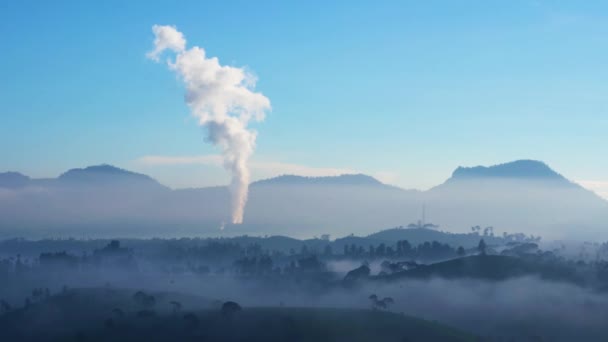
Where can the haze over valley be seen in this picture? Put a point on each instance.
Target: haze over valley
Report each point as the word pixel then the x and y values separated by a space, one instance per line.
pixel 104 201
pixel 315 171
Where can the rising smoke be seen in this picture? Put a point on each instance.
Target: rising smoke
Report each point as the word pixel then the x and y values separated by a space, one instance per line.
pixel 223 99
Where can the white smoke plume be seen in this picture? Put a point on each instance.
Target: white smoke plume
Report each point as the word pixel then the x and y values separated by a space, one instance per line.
pixel 223 99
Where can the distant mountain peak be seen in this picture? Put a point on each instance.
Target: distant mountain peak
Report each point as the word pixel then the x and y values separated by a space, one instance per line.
pixel 102 168
pixel 345 179
pixel 13 180
pixel 106 174
pixel 519 169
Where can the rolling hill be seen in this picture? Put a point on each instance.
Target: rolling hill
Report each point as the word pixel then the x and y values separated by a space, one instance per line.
pixel 83 315
pixel 489 267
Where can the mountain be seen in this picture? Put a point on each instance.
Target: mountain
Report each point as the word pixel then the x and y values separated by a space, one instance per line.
pixel 521 196
pixel 106 175
pixel 346 180
pixel 99 197
pixel 526 195
pixel 96 176
pixel 520 169
pixel 420 235
pixel 339 205
pixel 13 180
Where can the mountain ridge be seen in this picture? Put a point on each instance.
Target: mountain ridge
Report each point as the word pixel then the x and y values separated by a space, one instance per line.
pixel 11 180
pixel 521 169
pixel 344 179
pixel 104 174
pixel 100 175
pixel 299 206
pixel 518 169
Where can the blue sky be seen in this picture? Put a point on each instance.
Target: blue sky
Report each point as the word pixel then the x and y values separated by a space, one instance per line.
pixel 405 90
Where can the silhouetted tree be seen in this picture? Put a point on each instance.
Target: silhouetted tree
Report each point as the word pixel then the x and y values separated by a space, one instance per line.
pixel 143 299
pixel 310 264
pixel 146 313
pixel 229 308
pixel 482 247
pixel 358 273
pixel 381 250
pixel 461 252
pixel 176 306
pixel 5 307
pixel 139 296
pixel 264 265
pixel 191 320
pixel 37 294
pixel 109 323
pixel 404 248
pixel 118 312
pixel 381 303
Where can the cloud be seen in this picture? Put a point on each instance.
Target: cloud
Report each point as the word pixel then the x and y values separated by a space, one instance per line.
pixel 167 38
pixel 599 187
pixel 215 160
